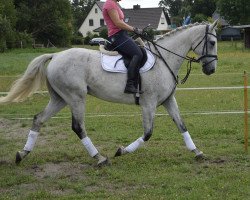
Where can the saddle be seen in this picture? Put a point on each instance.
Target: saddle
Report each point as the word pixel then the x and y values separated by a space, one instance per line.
pixel 113 61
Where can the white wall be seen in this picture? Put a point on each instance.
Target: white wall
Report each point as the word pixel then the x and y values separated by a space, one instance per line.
pixel 85 28
pixel 163 24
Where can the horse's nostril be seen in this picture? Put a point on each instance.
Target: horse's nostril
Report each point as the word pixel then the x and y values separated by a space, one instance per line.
pixel 212 71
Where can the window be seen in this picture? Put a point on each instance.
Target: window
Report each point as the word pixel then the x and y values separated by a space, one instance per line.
pixel 101 22
pixel 96 10
pixel 126 20
pixel 162 20
pixel 91 22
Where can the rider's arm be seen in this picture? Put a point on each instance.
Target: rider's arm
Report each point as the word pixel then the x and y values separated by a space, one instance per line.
pixel 113 14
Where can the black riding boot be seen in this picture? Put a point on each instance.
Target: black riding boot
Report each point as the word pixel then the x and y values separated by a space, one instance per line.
pixel 133 75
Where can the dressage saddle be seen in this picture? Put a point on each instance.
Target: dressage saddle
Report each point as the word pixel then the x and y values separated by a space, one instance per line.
pixel 109 47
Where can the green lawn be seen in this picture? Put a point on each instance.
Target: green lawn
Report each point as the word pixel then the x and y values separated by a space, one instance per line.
pixel 60 168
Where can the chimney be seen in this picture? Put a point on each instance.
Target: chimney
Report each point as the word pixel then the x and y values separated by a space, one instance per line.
pixel 136 7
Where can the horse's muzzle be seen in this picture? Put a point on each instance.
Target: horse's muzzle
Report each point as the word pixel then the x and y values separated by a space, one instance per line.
pixel 207 70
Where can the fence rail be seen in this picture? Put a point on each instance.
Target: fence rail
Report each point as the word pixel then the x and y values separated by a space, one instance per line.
pixel 181 89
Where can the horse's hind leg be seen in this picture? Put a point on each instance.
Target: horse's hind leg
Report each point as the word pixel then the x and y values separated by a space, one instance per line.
pixel 78 127
pixel 55 104
pixel 171 105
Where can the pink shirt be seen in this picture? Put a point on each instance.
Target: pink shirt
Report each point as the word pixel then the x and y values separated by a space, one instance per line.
pixel 109 5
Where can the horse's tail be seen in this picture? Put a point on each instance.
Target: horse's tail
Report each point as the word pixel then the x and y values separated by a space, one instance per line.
pixel 30 82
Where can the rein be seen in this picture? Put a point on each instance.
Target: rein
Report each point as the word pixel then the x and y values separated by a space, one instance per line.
pixel 188 58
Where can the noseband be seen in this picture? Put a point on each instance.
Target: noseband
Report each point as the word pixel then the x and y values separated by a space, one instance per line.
pixel 205 48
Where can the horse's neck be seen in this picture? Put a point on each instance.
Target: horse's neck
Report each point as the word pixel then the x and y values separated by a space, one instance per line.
pixel 179 43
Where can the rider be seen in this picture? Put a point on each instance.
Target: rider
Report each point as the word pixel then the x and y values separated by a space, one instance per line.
pixel 118 36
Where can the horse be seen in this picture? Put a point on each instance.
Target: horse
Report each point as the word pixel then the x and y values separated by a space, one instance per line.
pixel 72 74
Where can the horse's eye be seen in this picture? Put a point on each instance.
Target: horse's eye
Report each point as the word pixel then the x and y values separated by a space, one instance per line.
pixel 212 43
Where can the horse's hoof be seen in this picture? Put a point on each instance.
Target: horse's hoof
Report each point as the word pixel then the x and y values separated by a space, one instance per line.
pixel 20 155
pixel 103 162
pixel 120 151
pixel 200 156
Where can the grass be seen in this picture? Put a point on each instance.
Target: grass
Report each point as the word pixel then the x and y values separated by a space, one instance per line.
pixel 59 167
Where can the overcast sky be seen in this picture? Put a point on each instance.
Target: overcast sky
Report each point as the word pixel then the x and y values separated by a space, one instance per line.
pixel 142 3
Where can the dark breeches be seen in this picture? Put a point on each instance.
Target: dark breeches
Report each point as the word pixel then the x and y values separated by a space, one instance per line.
pixel 126 46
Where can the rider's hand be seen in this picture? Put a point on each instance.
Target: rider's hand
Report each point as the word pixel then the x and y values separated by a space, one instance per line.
pixel 138 31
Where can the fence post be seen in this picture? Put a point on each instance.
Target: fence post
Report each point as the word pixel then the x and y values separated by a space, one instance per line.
pixel 245 112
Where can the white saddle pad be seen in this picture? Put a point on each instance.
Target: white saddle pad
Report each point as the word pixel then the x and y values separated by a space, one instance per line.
pixel 113 64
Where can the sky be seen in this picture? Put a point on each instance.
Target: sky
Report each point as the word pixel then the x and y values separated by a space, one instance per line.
pixel 142 3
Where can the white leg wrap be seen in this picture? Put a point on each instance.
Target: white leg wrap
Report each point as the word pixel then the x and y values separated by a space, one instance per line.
pixel 188 141
pixel 32 137
pixel 89 146
pixel 135 145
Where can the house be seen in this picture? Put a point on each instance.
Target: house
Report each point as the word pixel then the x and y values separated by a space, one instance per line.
pixel 93 20
pixel 246 29
pixel 222 21
pixel 137 17
pixel 230 33
pixel 227 32
pixel 142 17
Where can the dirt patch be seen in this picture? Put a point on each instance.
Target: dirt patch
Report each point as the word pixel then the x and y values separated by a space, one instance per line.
pixel 5 162
pixel 13 129
pixel 218 161
pixel 4 123
pixel 34 187
pixel 59 170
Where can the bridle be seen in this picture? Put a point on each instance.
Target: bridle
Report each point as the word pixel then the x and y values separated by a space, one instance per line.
pixel 189 59
pixel 205 48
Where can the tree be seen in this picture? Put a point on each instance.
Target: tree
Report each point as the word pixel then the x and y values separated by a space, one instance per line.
pixel 173 7
pixel 7 24
pixel 5 33
pixel 7 11
pixel 45 20
pixel 204 7
pixel 199 10
pixel 235 11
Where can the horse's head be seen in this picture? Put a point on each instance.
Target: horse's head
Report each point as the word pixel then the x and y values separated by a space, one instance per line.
pixel 206 48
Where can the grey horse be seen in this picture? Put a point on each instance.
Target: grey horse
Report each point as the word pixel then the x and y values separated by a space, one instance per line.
pixel 74 73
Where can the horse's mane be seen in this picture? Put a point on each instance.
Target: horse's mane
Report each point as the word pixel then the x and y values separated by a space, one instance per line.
pixel 179 29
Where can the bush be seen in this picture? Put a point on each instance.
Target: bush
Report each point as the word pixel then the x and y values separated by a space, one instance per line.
pixel 87 39
pixel 199 18
pixel 10 39
pixel 150 34
pixel 77 39
pixel 25 38
pixel 104 33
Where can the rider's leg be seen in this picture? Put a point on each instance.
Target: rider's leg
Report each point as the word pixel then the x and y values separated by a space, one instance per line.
pixel 133 75
pixel 127 47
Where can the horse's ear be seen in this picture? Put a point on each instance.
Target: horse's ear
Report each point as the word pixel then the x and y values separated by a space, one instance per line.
pixel 213 25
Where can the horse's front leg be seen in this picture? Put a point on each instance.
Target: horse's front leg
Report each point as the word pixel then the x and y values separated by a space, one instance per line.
pixel 171 105
pixel 148 119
